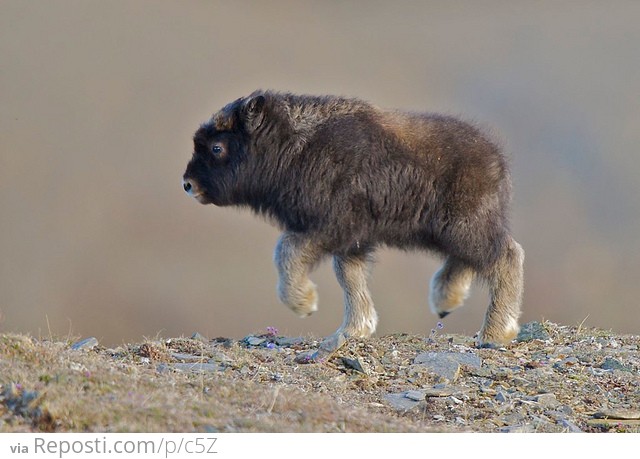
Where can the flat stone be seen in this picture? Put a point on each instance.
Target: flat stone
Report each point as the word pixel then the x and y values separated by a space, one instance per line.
pixel 417 395
pixel 618 414
pixel 613 364
pixel 546 400
pixel 437 392
pixel 531 331
pixel 400 402
pixel 187 357
pixel 254 340
pixel 87 343
pixel 447 364
pixel 192 367
pixel 283 341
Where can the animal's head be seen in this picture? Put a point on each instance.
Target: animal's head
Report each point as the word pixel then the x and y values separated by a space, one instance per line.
pixel 222 151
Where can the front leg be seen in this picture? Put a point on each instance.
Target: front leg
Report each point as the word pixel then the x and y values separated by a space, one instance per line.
pixel 360 318
pixel 295 256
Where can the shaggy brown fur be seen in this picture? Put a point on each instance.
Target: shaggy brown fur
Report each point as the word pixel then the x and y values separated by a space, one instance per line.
pixel 342 177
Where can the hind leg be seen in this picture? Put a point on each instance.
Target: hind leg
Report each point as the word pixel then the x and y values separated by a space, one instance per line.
pixel 295 256
pixel 450 286
pixel 506 283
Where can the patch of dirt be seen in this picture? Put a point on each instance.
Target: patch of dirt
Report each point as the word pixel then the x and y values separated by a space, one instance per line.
pixel 556 379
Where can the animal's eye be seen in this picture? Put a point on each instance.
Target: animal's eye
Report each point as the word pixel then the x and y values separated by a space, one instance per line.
pixel 216 150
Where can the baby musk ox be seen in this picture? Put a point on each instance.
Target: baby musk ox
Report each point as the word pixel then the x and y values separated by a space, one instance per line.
pixel 343 177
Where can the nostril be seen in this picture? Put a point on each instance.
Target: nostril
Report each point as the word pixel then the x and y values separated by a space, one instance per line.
pixel 186 184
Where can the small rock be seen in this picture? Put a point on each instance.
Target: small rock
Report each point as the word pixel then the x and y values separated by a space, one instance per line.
pixel 288 342
pixel 546 400
pixel 613 364
pixel 531 331
pixel 186 357
pixel 447 364
pixel 254 340
pixel 564 364
pixel 437 391
pixel 225 342
pixel 416 395
pixel 198 337
pixel 87 343
pixel 353 364
pixel 400 402
pixel 514 418
pixel 501 397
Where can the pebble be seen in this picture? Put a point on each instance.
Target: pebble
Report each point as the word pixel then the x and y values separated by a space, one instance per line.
pixel 87 343
pixel 447 364
pixel 531 331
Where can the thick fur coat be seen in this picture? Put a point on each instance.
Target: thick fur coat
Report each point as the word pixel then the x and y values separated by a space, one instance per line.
pixel 342 177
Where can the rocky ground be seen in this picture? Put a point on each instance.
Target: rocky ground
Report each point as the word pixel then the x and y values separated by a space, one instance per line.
pixel 554 378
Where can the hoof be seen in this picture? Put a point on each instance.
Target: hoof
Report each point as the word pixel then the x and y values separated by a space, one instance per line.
pixel 327 348
pixel 443 314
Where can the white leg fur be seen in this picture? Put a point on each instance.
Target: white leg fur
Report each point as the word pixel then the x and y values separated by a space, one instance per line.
pixel 360 318
pixel 449 287
pixel 295 257
pixel 506 289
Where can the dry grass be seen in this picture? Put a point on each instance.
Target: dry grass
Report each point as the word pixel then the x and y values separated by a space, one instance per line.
pixel 47 386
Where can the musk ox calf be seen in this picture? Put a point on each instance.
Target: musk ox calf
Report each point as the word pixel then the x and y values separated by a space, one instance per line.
pixel 343 177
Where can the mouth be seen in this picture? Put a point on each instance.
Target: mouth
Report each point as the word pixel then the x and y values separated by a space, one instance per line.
pixel 200 197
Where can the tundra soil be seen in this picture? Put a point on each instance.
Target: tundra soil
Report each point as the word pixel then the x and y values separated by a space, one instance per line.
pixel 554 379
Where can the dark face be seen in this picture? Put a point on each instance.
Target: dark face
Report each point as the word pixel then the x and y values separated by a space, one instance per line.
pixel 211 173
pixel 220 147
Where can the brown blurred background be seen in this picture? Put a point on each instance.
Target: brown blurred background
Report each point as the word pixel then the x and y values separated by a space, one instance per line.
pixel 98 102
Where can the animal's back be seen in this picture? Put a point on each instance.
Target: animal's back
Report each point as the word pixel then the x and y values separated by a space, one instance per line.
pixel 407 180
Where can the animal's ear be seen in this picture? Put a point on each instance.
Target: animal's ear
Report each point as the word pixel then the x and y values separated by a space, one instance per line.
pixel 255 104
